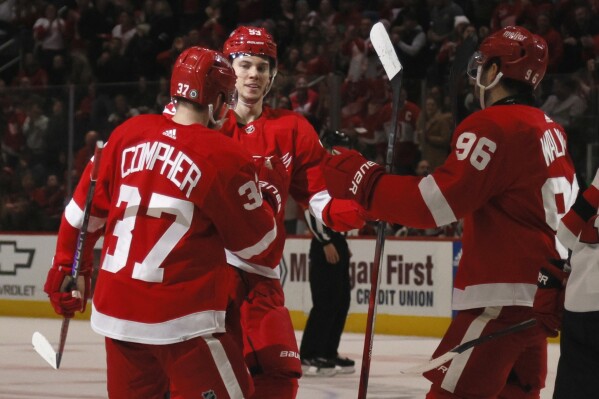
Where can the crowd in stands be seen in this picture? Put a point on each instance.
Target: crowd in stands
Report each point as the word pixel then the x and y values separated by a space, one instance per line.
pixel 86 66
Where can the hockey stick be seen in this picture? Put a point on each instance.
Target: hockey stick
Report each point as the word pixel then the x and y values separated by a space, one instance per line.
pixel 41 345
pixel 434 363
pixel 386 52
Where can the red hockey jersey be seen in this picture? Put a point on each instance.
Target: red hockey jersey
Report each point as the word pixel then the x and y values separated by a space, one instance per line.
pixel 172 197
pixel 509 176
pixel 290 137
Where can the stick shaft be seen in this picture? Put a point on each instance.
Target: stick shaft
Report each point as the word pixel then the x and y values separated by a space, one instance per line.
pixel 375 275
pixel 80 243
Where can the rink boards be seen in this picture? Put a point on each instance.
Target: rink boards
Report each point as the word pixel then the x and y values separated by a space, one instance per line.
pixel 414 296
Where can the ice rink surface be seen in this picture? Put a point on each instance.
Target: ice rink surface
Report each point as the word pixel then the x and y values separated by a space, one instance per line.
pixel 25 375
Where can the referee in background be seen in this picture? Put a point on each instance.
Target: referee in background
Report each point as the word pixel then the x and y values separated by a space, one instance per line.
pixel 330 289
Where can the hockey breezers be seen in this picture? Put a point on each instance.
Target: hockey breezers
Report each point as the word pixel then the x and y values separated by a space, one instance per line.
pixel 437 362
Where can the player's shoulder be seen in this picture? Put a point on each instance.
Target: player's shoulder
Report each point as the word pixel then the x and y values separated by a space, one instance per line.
pixel 226 151
pixel 286 117
pixel 137 125
pixel 506 121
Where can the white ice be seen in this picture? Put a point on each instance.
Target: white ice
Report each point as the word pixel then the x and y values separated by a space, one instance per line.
pixel 82 375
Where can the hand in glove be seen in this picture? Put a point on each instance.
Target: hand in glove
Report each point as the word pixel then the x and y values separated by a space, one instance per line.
pixel 66 296
pixel 274 182
pixel 549 298
pixel 349 175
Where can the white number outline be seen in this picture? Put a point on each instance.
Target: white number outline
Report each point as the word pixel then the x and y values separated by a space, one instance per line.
pixel 149 269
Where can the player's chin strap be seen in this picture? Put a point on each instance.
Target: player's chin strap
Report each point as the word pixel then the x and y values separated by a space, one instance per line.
pixel 217 124
pixel 482 89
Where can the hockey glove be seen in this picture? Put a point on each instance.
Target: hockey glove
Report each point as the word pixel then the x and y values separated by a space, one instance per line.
pixel 549 299
pixel 349 175
pixel 274 181
pixel 66 297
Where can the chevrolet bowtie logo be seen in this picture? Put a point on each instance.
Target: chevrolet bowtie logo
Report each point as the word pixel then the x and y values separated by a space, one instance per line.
pixel 12 258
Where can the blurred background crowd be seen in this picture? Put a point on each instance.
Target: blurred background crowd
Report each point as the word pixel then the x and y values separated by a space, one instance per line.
pixel 72 70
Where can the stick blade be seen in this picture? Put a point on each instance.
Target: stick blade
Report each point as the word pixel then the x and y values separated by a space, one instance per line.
pixel 385 50
pixel 44 349
pixel 431 364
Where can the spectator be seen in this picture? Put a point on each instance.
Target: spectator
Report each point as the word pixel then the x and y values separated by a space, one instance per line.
pixel 35 130
pixel 565 104
pixel 410 40
pixel 510 13
pixel 578 39
pixel 143 97
pixel 84 154
pixel 554 41
pixel 121 111
pixel 406 147
pixel 12 141
pixel 32 70
pixel 50 35
pixel 94 25
pixel 50 199
pixel 112 66
pixel 57 138
pixel 124 30
pixel 434 128
pixel 442 16
pixel 304 100
pixel 446 54
pixel 58 74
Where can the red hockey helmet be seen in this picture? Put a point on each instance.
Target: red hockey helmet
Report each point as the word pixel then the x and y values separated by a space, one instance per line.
pixel 200 75
pixel 523 55
pixel 251 41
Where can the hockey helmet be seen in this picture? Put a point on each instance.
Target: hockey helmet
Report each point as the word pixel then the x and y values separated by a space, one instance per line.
pixel 249 40
pixel 201 75
pixel 523 55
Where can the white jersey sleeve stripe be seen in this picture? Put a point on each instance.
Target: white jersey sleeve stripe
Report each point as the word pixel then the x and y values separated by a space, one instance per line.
pixel 318 202
pixel 249 267
pixel 435 201
pixel 565 236
pixel 74 216
pixel 224 367
pixel 260 246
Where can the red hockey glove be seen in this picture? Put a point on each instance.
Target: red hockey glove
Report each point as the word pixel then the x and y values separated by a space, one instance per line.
pixel 549 298
pixel 349 175
pixel 60 288
pixel 274 182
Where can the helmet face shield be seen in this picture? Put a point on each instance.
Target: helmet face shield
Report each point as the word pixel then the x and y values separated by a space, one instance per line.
pixel 477 59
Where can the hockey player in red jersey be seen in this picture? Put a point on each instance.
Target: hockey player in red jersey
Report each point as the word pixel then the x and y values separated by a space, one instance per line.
pixel 270 346
pixel 509 176
pixel 171 194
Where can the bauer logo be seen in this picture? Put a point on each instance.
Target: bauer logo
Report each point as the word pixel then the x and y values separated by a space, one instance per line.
pixel 292 354
pixel 13 258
